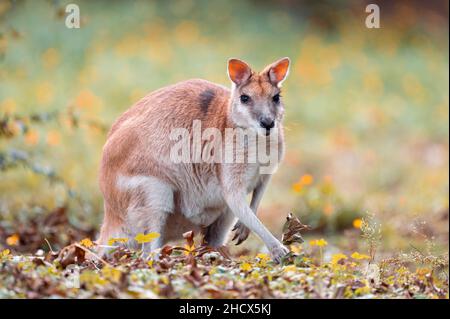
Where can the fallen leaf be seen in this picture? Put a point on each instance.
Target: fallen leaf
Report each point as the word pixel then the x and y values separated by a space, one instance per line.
pixel 71 254
pixel 189 236
pixel 292 229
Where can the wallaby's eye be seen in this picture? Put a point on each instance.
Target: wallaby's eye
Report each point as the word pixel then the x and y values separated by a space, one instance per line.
pixel 245 98
pixel 276 98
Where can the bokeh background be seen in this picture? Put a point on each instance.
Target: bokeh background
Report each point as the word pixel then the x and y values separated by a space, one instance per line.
pixel 366 109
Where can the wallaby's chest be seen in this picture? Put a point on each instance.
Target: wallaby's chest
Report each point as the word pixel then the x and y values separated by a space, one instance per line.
pixel 203 202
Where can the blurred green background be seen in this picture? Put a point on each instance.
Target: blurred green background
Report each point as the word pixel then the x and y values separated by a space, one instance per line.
pixel 366 109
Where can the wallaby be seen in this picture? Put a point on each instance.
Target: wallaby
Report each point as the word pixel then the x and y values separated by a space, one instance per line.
pixel 145 191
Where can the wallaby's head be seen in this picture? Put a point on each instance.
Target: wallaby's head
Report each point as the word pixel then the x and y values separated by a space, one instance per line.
pixel 256 101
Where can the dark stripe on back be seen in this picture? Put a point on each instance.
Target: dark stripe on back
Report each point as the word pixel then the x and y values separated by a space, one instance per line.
pixel 206 98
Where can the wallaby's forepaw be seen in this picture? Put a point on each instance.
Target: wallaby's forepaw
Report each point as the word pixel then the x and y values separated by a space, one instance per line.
pixel 278 252
pixel 240 233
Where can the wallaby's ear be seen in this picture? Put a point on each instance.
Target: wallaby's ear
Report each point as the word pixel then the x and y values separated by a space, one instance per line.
pixel 238 71
pixel 278 71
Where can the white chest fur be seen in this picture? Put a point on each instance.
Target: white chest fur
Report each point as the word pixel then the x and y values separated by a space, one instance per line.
pixel 205 202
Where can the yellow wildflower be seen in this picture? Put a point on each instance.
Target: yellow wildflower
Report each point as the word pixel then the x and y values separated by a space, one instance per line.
pixel 213 271
pixel 359 256
pixel 263 256
pixel 165 280
pixel 255 275
pixel 263 259
pixel 190 250
pixel 112 274
pixel 297 187
pixel 318 242
pixel 13 240
pixel 112 241
pixel 295 249
pixel 422 272
pixel 87 243
pixel 289 268
pixel 362 291
pixel 357 223
pixel 307 179
pixel 5 253
pixel 246 267
pixel 337 257
pixel 146 238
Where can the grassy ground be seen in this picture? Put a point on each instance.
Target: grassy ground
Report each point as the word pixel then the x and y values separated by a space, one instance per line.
pixel 366 129
pixel 195 271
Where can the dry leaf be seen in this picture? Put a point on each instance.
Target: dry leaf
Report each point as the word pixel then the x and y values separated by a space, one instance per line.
pixel 189 236
pixel 293 227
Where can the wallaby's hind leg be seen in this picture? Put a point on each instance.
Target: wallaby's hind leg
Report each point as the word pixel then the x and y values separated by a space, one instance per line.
pixel 151 202
pixel 147 220
pixel 112 227
pixel 216 234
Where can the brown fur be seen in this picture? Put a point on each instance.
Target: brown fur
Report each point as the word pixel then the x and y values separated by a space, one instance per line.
pixel 138 144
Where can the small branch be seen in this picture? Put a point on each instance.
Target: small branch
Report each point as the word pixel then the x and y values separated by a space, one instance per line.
pixel 49 246
pixel 93 254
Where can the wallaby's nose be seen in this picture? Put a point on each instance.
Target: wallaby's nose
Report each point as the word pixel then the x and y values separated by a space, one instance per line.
pixel 267 123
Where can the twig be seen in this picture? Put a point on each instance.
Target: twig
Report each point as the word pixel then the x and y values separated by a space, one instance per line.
pixel 49 246
pixel 94 265
pixel 93 254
